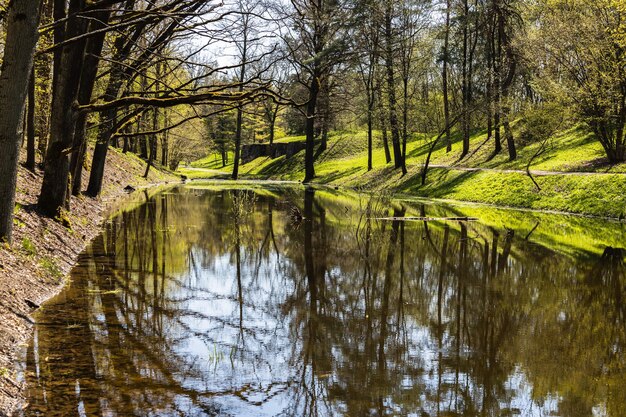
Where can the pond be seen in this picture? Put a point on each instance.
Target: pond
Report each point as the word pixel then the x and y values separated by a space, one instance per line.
pixel 281 301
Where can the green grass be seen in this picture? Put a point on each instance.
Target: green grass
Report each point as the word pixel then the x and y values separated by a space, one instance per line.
pixel 28 247
pixel 50 267
pixel 288 139
pixel 572 150
pixel 212 161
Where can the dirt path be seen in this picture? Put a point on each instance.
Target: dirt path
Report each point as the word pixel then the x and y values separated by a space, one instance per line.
pixel 538 173
pixel 34 268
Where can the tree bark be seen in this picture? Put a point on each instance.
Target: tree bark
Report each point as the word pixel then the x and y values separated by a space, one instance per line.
pixel 242 76
pixel 446 53
pixel 22 21
pixel 87 83
pixel 465 82
pixel 54 194
pixel 391 90
pixel 309 155
pixel 383 128
pixel 30 123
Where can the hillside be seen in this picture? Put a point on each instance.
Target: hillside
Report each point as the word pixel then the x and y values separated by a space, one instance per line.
pixel 571 172
pixel 44 250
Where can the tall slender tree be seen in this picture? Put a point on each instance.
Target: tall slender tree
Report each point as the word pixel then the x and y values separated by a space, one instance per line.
pixel 22 20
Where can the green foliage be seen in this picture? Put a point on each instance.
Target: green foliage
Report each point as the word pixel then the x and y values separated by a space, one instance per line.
pixel 50 267
pixel 541 123
pixel 28 247
pixel 212 161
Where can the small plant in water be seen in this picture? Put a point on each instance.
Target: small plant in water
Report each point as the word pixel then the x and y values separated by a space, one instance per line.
pixel 243 202
pixel 216 356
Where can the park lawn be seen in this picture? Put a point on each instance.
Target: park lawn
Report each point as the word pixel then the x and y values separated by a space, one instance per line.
pixel 344 164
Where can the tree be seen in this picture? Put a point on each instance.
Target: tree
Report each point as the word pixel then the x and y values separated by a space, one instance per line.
pixel 504 21
pixel 313 34
pixel 389 37
pixel 584 65
pixel 22 22
pixel 367 44
pixel 444 75
pixel 242 40
pixel 66 84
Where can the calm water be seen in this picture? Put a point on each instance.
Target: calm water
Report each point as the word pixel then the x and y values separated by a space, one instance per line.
pixel 264 302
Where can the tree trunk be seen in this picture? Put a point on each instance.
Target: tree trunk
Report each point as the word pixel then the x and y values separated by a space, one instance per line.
pixel 30 123
pixel 152 141
pixel 164 141
pixel 370 129
pixel 496 53
pixel 391 91
pixel 242 77
pixel 22 20
pixel 107 120
pixel 383 128
pixel 405 118
pixel 508 133
pixel 238 133
pixel 465 83
pixel 273 124
pixel 87 83
pixel 446 101
pixel 54 188
pixel 325 113
pixel 309 156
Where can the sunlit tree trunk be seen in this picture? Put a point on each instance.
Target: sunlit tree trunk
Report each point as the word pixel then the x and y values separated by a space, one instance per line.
pixel 391 85
pixel 54 189
pixel 22 20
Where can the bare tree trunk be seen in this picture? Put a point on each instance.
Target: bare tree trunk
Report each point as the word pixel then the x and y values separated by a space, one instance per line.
pixel 273 124
pixel 309 155
pixel 242 76
pixel 391 91
pixel 54 189
pixel 370 128
pixel 446 54
pixel 164 141
pixel 405 118
pixel 22 21
pixel 383 128
pixel 152 142
pixel 87 83
pixel 465 82
pixel 30 123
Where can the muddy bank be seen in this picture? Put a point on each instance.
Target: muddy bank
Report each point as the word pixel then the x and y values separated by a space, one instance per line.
pixel 35 266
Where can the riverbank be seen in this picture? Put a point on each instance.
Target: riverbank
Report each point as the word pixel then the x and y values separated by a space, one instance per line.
pixel 35 266
pixel 571 173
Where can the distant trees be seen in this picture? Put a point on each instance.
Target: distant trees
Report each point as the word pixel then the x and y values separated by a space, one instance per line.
pixel 127 73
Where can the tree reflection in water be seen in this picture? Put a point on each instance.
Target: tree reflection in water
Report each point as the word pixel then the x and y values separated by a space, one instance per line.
pixel 222 303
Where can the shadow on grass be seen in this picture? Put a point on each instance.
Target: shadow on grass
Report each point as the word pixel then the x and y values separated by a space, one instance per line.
pixel 335 175
pixel 438 183
pixel 283 165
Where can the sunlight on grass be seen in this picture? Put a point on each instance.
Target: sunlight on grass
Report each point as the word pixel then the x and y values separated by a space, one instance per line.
pixel 344 163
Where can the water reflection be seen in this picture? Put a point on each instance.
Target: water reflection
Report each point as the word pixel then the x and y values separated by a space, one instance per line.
pixel 299 303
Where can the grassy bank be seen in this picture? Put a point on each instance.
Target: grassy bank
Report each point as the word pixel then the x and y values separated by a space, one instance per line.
pixel 572 172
